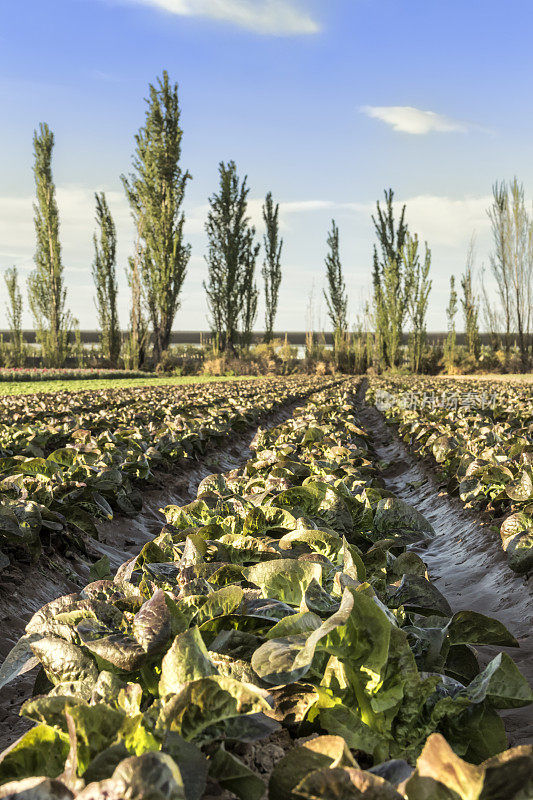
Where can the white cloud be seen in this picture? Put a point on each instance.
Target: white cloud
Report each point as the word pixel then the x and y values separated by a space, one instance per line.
pixel 446 221
pixel 302 206
pixel 270 17
pixel 408 119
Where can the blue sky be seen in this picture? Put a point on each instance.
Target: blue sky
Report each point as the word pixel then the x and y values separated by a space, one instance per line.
pixel 323 102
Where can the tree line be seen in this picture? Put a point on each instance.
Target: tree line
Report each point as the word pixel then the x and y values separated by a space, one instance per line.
pixel 156 271
pixel 155 189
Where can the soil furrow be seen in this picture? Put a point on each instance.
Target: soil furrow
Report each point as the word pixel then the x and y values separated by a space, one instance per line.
pixel 465 559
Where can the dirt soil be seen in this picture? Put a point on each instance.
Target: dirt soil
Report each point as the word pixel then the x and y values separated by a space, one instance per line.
pixel 465 560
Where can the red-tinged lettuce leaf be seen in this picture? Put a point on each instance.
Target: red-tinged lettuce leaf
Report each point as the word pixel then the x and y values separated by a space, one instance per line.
pixel 292 703
pixel 50 610
pixel 63 661
pixel 396 771
pixel 470 489
pixel 116 650
pixel 151 625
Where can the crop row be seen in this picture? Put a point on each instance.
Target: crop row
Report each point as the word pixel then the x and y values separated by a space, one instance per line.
pixel 71 460
pixel 46 374
pixel 281 611
pixel 482 440
pixel 151 403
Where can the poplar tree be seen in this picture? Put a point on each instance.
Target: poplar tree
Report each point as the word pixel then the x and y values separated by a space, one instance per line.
pixel 251 294
pixel 519 246
pixel 105 280
pixel 500 258
pixel 418 287
pixel 387 279
pixel 14 317
pixel 391 310
pixel 273 245
pixel 469 303
pixel 46 289
pixel 230 259
pixel 135 344
pixel 156 190
pixel 451 311
pixel 335 296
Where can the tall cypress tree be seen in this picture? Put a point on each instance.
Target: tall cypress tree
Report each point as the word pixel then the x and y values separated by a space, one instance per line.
pixel 105 280
pixel 336 296
pixel 230 286
pixel 156 190
pixel 46 289
pixel 272 264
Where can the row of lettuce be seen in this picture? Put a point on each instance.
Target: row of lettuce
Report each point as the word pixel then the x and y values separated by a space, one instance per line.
pixel 16 374
pixel 71 460
pixel 481 437
pixel 281 608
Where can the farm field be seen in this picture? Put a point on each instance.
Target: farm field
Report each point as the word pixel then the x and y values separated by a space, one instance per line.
pixel 54 386
pixel 285 632
pixel 67 464
pixel 481 438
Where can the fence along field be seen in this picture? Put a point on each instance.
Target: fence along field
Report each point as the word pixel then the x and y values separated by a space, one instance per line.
pixel 278 636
